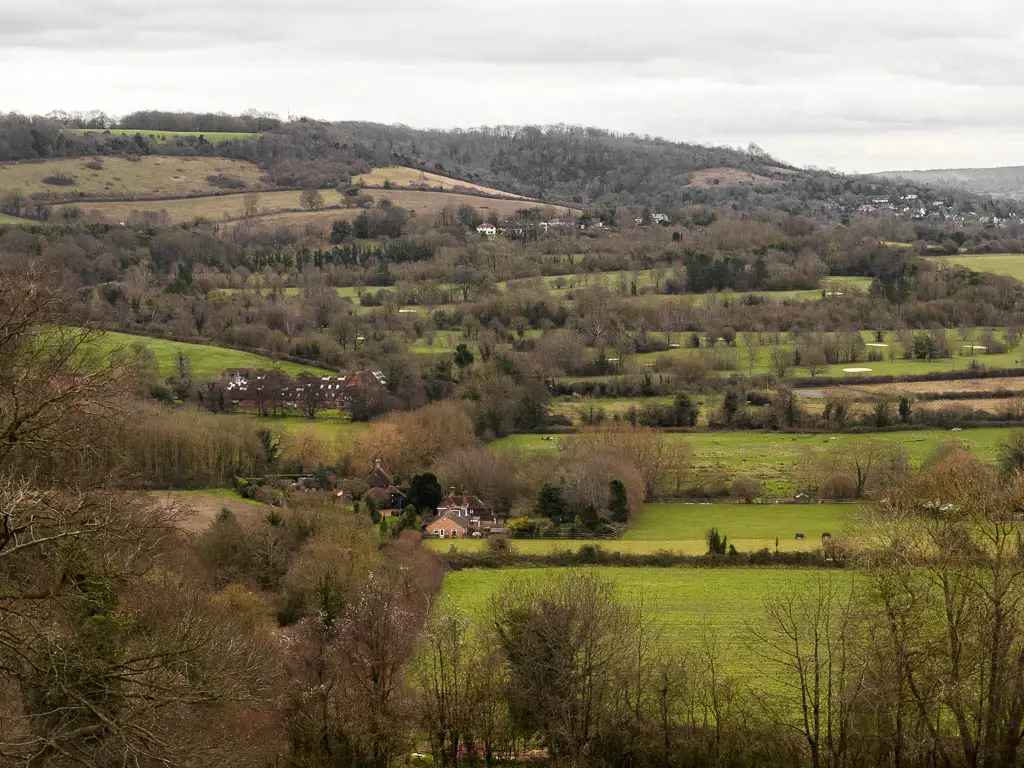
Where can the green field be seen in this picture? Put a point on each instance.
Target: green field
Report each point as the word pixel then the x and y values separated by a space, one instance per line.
pixel 207 361
pixel 772 456
pixel 333 430
pixel 729 602
pixel 680 527
pixel 6 220
pixel 892 362
pixel 1010 264
pixel 214 137
pixel 755 525
pixel 148 176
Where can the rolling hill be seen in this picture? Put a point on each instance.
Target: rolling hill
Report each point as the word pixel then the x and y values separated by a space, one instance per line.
pixel 284 206
pixel 122 177
pixel 997 182
pixel 569 165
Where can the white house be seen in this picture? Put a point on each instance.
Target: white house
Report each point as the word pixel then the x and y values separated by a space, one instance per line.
pixel 487 229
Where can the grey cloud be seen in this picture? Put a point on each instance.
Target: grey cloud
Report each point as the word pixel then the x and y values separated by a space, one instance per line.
pixel 710 70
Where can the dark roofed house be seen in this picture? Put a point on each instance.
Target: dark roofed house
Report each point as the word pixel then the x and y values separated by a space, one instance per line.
pixel 379 477
pixel 363 384
pixel 389 500
pixel 365 394
pixel 386 496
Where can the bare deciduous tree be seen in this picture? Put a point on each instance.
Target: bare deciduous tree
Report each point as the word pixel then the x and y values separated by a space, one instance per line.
pixel 810 641
pixel 104 655
pixel 311 199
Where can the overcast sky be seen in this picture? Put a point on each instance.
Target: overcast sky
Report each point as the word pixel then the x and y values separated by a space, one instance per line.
pixel 859 86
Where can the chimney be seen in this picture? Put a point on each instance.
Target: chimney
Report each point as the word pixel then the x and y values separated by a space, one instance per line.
pixel 451 491
pixel 376 463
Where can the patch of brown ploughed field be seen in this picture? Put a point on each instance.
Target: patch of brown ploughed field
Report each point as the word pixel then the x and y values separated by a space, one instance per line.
pixel 1005 383
pixel 727 177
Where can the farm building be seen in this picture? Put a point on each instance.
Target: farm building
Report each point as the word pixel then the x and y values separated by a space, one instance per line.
pixel 387 498
pixel 469 511
pixel 487 229
pixel 445 527
pixel 254 388
pixel 363 384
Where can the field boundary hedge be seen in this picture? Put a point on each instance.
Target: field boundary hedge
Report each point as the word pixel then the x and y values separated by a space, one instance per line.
pixel 820 382
pixel 591 554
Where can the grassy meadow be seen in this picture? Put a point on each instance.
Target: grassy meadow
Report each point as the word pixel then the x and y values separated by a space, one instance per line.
pixel 6 220
pixel 207 361
pixel 680 527
pixel 147 176
pixel 728 603
pixel 335 431
pixel 400 176
pixel 756 524
pixel 1009 264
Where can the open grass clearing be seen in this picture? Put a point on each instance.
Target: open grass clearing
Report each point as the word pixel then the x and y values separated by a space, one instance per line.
pixel 334 431
pixel 678 521
pixel 728 602
pixel 6 220
pixel 400 176
pixel 204 506
pixel 213 137
pixel 1009 264
pixel 207 360
pixel 148 176
pixel 681 527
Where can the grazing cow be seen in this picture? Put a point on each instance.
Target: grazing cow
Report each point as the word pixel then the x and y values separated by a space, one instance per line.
pixel 800 536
